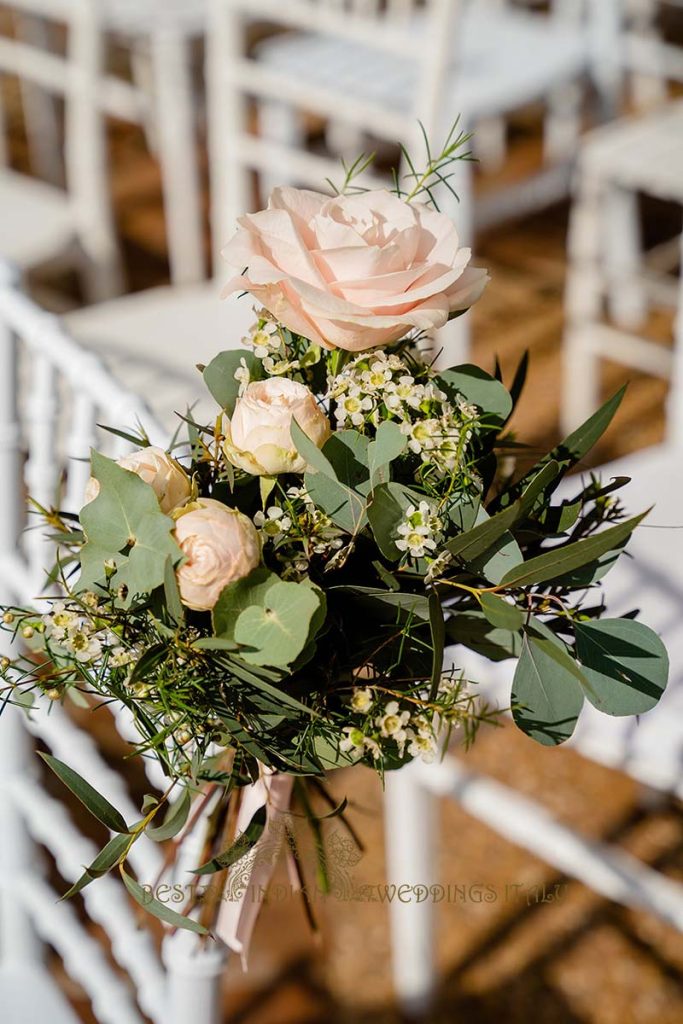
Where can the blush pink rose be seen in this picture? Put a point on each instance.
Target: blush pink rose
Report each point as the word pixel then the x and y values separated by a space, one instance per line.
pixel 352 272
pixel 166 477
pixel 220 546
pixel 258 437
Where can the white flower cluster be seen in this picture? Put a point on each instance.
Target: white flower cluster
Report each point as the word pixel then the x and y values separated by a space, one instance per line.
pixel 378 386
pixel 68 626
pixel 268 342
pixel 416 532
pixel 304 525
pixel 390 724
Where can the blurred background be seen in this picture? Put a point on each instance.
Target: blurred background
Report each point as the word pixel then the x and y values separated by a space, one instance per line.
pixel 132 136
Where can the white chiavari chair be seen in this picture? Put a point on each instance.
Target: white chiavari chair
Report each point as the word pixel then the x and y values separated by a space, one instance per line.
pixel 52 396
pixel 41 221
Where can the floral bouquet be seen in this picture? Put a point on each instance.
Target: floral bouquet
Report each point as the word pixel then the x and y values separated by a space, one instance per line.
pixel 272 597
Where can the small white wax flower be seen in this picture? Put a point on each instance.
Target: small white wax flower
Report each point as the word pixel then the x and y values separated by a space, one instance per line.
pixel 165 476
pixel 392 723
pixel 258 437
pixel 220 546
pixel 362 700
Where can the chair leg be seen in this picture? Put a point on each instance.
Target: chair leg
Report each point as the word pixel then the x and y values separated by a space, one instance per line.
pixel 583 305
pixel 410 841
pixel 177 154
pixel 623 258
pixel 490 143
pixel 562 123
pixel 194 973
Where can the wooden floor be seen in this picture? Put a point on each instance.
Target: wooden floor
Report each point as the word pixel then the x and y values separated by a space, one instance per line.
pixel 507 955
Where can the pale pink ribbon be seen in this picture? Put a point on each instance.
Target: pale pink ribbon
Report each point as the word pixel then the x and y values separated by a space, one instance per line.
pixel 236 918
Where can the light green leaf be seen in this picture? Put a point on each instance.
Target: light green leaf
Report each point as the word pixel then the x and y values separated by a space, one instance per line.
pixel 344 500
pixel 219 376
pixel 159 909
pixel 277 630
pixel 237 596
pixel 173 822
pixel 546 698
pixel 124 524
pixel 315 459
pixel 389 443
pixel 98 806
pixel 108 856
pixel 626 664
pixel 569 557
pixel 479 388
pixel 174 605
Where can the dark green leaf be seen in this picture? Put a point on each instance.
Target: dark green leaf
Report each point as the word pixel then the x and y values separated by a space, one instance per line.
pixel 89 797
pixel 386 511
pixel 173 603
pixel 437 628
pixel 569 557
pixel 389 443
pixel 242 845
pixel 501 614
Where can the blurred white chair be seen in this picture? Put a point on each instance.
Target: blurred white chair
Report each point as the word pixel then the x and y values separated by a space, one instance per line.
pixel 48 421
pixel 616 163
pixel 160 35
pixel 649 749
pixel 380 67
pixel 42 222
pixel 652 61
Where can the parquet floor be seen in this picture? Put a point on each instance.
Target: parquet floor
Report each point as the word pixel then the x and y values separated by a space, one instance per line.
pixel 507 957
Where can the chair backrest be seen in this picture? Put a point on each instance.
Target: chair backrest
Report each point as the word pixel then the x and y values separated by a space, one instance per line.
pixel 73 74
pixel 53 395
pixel 645 50
pixel 421 35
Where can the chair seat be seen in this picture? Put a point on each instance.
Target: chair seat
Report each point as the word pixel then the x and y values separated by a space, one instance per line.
pixel 504 60
pixel 641 154
pixel 29 994
pixel 130 17
pixel 151 342
pixel 649 576
pixel 37 220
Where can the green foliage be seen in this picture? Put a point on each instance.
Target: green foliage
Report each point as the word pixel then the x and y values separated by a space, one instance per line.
pixel 479 388
pixel 125 527
pixel 219 376
pixel 546 696
pixel 625 663
pixel 98 806
pixel 239 849
pixel 158 909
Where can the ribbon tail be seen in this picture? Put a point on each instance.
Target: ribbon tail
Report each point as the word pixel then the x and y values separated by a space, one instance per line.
pixel 250 878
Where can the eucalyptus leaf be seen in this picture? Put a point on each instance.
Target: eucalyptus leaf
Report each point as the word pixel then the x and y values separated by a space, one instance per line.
pixel 159 909
pixel 124 525
pixel 501 614
pixel 546 698
pixel 437 628
pixel 479 388
pixel 239 849
pixel 389 443
pixel 173 822
pixel 568 557
pixel 626 664
pixel 98 806
pixel 386 511
pixel 108 856
pixel 275 631
pixel 219 376
pixel 315 459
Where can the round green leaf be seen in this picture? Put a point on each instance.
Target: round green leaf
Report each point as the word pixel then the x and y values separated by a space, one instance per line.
pixel 546 697
pixel 625 663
